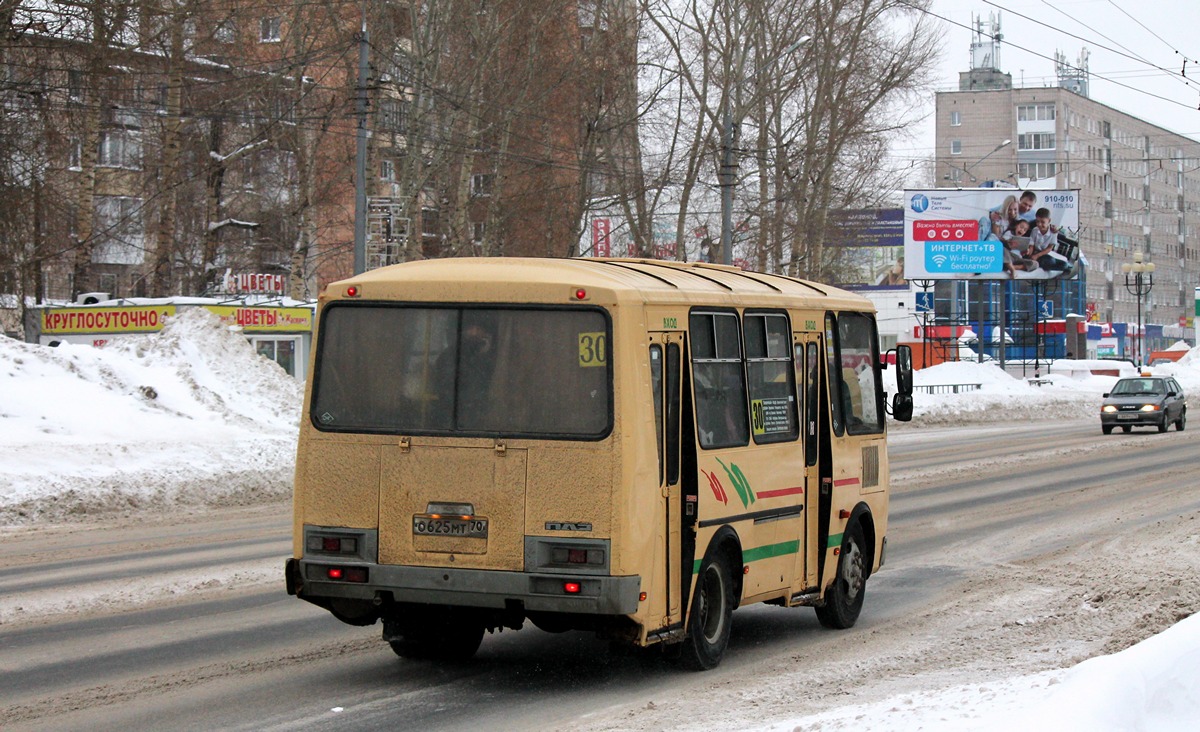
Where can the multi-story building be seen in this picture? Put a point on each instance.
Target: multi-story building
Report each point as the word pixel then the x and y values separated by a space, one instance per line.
pixel 199 138
pixel 1138 183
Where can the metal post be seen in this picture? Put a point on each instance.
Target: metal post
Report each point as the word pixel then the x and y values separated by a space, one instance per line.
pixel 1137 340
pixel 360 156
pixel 1037 314
pixel 728 177
pixel 1001 316
pixel 1140 286
pixel 729 162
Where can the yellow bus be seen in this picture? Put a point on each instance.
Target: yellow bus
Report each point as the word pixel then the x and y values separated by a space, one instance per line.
pixel 630 447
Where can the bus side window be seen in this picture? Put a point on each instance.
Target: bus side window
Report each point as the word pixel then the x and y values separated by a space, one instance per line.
pixel 859 358
pixel 656 389
pixel 673 380
pixel 837 392
pixel 719 380
pixel 812 375
pixel 769 376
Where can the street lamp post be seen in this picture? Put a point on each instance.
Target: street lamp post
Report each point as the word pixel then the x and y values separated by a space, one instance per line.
pixel 967 169
pixel 729 164
pixel 1139 281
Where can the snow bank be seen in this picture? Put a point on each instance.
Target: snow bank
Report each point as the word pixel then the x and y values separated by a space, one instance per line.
pixel 191 415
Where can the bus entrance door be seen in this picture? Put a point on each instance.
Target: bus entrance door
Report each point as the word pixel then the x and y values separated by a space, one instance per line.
pixel 666 364
pixel 808 358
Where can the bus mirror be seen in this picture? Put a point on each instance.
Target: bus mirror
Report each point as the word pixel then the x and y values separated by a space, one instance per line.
pixel 904 379
pixel 902 406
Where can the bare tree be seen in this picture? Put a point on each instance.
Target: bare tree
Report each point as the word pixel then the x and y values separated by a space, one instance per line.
pixel 815 87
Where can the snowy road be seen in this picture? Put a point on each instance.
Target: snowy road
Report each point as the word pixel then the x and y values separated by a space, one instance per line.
pixel 1012 549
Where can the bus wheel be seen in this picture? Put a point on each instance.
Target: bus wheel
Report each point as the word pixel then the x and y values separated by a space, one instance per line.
pixel 452 636
pixel 712 614
pixel 844 598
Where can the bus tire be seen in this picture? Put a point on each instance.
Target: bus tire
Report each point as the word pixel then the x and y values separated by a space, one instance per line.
pixel 452 636
pixel 711 616
pixel 844 598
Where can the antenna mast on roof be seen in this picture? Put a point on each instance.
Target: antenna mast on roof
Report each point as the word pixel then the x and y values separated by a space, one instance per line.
pixel 985 47
pixel 1074 78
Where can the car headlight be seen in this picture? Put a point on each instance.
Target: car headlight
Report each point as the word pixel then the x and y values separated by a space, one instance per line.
pixel 1150 408
pixel 1108 408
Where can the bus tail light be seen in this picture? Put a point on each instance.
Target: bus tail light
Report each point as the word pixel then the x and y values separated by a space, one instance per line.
pixel 332 544
pixel 571 588
pixel 346 574
pixel 567 555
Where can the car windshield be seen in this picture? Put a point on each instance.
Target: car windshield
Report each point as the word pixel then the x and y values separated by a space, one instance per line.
pixel 1139 387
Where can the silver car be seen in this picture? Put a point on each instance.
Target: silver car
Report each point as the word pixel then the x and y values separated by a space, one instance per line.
pixel 1150 401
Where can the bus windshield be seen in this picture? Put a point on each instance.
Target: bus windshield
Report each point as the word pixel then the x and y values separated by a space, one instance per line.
pixel 397 369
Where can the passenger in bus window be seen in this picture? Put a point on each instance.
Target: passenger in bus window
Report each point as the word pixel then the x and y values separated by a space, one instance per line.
pixel 464 370
pixel 476 364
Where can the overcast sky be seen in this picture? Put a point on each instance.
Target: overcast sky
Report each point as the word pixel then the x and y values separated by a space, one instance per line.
pixel 1136 53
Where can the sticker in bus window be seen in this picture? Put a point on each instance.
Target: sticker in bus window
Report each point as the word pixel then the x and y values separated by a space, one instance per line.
pixel 593 349
pixel 770 416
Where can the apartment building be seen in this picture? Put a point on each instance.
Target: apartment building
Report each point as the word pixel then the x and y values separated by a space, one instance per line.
pixel 1138 183
pixel 197 140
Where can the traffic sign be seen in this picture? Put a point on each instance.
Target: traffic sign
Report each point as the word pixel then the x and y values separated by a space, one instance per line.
pixel 924 302
pixel 1046 309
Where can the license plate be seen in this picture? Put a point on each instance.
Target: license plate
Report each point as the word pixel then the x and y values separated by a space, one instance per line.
pixel 444 526
pixel 1127 416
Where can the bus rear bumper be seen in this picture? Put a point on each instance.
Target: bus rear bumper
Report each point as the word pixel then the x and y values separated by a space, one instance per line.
pixel 587 594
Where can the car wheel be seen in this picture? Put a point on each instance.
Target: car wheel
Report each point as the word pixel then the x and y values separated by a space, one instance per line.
pixel 844 598
pixel 1164 424
pixel 712 614
pixel 1106 429
pixel 1181 422
pixel 1127 428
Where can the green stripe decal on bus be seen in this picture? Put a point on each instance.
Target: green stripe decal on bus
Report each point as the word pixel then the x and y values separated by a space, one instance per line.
pixel 762 552
pixel 835 540
pixel 770 550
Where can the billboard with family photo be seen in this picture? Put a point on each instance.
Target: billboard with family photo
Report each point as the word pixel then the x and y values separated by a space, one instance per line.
pixel 990 233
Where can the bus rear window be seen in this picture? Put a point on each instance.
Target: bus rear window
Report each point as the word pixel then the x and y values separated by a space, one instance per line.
pixel 471 371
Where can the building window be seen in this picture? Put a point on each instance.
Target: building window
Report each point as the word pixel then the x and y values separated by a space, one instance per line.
pixel 75 154
pixel 956 147
pixel 1033 112
pixel 392 114
pixel 75 84
pixel 481 184
pixel 1035 141
pixel 226 31
pixel 387 170
pixel 120 149
pixel 119 231
pixel 430 226
pixel 955 119
pixel 477 229
pixel 270 30
pixel 1036 171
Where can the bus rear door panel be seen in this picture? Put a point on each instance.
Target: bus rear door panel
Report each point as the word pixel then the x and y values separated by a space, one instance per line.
pixel 666 349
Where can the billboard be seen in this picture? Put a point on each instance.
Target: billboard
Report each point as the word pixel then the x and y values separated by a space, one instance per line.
pixel 990 233
pixel 870 244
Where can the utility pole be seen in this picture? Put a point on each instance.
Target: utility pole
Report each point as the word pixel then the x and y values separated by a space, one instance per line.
pixel 360 156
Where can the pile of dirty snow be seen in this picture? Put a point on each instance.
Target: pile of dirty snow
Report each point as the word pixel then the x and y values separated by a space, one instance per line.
pixel 191 415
